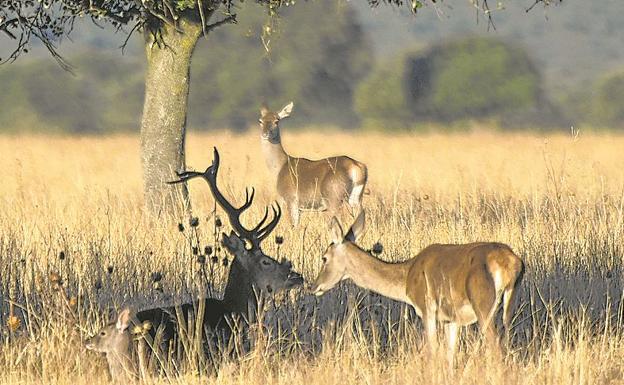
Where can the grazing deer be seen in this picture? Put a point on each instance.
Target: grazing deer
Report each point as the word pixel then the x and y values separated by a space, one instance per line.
pixel 304 184
pixel 252 275
pixel 455 284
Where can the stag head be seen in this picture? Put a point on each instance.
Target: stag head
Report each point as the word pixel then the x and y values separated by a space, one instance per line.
pixel 267 274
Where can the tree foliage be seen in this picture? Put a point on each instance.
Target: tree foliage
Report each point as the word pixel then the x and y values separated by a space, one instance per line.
pixel 49 20
pixel 106 92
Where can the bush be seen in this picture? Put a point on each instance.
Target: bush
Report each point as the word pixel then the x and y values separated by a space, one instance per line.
pixel 608 101
pixel 475 78
pixel 381 99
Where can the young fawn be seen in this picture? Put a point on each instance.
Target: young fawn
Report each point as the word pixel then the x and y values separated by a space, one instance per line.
pixel 115 341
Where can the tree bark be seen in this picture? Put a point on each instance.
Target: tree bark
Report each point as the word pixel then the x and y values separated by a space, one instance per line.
pixel 163 126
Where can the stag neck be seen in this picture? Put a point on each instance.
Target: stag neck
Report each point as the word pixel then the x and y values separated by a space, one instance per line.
pixel 274 154
pixel 368 272
pixel 239 292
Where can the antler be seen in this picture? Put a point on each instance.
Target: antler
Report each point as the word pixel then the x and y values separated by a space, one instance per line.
pixel 260 231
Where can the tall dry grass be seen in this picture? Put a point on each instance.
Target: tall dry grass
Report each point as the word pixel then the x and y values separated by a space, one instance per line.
pixel 558 200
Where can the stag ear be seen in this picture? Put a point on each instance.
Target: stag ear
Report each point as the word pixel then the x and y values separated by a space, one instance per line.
pixel 356 228
pixel 264 109
pixel 123 319
pixel 336 231
pixel 285 112
pixel 233 244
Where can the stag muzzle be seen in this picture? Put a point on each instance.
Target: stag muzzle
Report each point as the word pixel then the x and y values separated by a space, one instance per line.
pixel 294 279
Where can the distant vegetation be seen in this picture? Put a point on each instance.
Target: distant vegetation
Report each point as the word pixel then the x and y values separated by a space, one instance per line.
pixel 106 95
pixel 322 61
pixel 315 58
pixel 470 78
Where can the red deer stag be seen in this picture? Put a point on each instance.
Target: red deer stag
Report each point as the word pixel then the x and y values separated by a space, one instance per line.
pixel 253 274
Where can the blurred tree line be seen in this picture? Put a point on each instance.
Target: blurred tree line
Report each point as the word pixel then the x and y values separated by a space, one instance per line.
pixel 472 78
pixel 322 61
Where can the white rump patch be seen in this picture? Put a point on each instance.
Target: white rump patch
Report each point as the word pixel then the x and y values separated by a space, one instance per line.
pixel 498 281
pixel 356 193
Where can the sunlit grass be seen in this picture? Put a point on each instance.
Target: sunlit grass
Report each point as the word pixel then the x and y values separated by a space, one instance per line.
pixel 557 200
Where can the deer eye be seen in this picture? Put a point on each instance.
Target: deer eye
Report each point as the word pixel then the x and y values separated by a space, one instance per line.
pixel 260 121
pixel 103 333
pixel 324 259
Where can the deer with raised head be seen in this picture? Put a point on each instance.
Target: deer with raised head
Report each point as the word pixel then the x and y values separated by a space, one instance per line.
pixel 115 341
pixel 304 184
pixel 252 275
pixel 457 284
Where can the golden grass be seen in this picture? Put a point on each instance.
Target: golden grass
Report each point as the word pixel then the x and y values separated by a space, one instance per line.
pixel 557 200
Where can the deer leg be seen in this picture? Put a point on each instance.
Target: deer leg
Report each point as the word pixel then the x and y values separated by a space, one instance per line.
pixel 484 300
pixel 293 209
pixel 355 197
pixel 430 321
pixel 452 338
pixel 508 300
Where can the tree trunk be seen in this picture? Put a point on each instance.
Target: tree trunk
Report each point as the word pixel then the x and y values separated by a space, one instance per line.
pixel 163 126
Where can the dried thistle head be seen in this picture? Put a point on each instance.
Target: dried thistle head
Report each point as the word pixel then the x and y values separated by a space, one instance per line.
pixel 156 276
pixel 14 323
pixel 377 248
pixel 55 280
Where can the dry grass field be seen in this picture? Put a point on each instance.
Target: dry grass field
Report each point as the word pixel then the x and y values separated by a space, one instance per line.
pixel 73 207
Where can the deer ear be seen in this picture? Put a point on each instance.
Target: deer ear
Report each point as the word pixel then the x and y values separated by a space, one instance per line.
pixel 336 231
pixel 123 319
pixel 356 228
pixel 285 112
pixel 264 109
pixel 233 244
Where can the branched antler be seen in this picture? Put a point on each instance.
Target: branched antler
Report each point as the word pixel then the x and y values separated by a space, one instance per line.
pixel 256 235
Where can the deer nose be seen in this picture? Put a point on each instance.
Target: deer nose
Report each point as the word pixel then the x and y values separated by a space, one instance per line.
pixel 316 290
pixel 295 278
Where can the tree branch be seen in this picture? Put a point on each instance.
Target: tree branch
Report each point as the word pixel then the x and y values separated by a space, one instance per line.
pixel 229 19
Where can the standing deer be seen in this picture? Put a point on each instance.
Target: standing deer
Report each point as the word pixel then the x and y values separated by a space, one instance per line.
pixel 455 284
pixel 304 184
pixel 253 274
